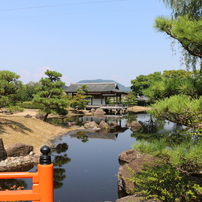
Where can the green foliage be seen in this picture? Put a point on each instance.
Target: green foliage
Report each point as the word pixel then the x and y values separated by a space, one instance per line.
pixel 130 99
pixel 80 100
pixel 184 26
pixel 15 109
pixel 51 94
pixel 83 90
pixel 30 105
pixel 179 109
pixel 174 82
pixel 158 86
pixel 172 176
pixel 26 92
pixel 165 183
pixel 9 86
pixel 183 7
pixel 186 31
pixel 62 112
pixel 187 87
pixel 157 90
pixel 168 74
pixel 142 82
pixel 82 136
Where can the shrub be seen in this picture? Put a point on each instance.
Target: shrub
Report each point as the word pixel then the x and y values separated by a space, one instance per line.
pixel 174 178
pixel 15 109
pixel 30 105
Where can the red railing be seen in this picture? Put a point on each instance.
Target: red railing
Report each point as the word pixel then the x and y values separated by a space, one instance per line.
pixel 42 182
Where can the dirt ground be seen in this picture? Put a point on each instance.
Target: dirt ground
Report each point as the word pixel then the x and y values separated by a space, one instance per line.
pixel 31 112
pixel 16 128
pixel 138 109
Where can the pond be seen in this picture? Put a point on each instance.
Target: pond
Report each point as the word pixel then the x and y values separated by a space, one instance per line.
pixel 86 167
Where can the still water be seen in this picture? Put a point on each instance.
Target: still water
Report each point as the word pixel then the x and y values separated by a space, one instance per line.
pixel 89 173
pixel 86 166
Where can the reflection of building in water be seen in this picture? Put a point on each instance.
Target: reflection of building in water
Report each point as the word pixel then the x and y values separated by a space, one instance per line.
pixel 105 118
pixel 103 134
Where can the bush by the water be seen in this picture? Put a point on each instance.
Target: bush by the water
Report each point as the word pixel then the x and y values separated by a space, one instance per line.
pixel 30 105
pixel 176 174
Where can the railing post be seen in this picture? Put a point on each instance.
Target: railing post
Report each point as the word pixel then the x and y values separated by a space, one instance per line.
pixel 45 171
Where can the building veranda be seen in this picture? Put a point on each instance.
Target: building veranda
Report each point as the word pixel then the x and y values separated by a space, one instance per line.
pixel 99 94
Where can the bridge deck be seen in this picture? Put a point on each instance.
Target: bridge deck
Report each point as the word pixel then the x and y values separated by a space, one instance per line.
pixel 117 107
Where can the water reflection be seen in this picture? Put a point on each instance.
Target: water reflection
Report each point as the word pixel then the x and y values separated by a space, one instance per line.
pixel 59 176
pixel 12 184
pixel 85 135
pixel 81 135
pixel 61 147
pixel 58 162
pixel 154 129
pixel 91 172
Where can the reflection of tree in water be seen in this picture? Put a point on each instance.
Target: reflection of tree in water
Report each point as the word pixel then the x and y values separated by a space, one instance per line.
pixel 62 147
pixel 81 135
pixel 154 130
pixel 59 173
pixel 61 160
pixel 64 121
pixel 149 129
pixel 59 176
pixel 131 117
pixel 12 184
pixel 58 162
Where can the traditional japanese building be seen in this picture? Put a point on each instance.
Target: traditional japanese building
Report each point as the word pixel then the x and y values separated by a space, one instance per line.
pixel 99 92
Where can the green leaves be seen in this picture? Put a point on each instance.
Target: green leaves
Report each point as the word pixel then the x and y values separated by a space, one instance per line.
pixel 143 82
pixel 9 86
pixel 184 26
pixel 130 99
pixel 179 109
pixel 51 94
pixel 172 175
pixel 80 100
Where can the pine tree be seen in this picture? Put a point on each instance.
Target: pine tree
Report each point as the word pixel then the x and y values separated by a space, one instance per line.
pixel 184 26
pixel 9 86
pixel 51 95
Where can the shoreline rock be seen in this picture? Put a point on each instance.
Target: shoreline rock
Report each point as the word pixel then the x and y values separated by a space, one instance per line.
pixel 131 162
pixel 18 157
pixel 20 163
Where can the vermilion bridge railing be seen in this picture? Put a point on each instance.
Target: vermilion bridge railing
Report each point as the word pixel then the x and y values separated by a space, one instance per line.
pixel 42 182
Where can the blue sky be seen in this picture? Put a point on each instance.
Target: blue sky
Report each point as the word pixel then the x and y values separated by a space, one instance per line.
pixel 84 39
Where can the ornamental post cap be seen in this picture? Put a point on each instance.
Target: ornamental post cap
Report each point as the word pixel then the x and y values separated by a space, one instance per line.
pixel 45 159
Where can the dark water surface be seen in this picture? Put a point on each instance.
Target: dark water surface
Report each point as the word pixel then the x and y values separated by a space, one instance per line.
pixel 90 174
pixel 86 169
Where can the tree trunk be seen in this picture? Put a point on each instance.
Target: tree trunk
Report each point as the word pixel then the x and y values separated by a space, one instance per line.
pixel 45 117
pixel 3 153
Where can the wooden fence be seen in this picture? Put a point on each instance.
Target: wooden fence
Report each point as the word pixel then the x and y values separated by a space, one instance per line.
pixel 42 182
